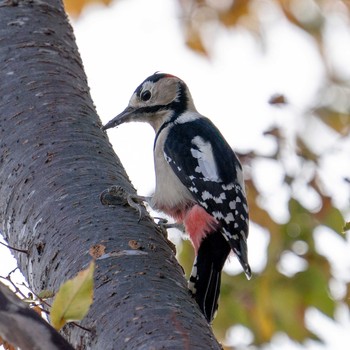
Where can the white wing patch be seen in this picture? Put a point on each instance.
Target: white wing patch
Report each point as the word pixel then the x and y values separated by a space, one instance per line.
pixel 206 162
pixel 187 117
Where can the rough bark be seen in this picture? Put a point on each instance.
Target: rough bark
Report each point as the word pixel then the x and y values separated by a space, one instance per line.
pixel 54 163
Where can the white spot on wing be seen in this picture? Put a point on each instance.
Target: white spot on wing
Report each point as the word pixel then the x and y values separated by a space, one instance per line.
pixel 229 235
pixel 245 207
pixel 228 187
pixel 229 218
pixel 218 215
pixel 203 204
pixel 219 200
pixel 193 189
pixel 232 205
pixel 206 161
pixel 206 195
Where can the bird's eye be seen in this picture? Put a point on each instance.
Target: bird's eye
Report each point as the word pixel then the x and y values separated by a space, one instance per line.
pixel 146 95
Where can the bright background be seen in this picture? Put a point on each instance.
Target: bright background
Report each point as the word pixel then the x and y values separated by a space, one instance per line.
pixel 124 43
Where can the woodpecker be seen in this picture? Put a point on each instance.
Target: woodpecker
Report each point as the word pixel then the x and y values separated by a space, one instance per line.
pixel 199 181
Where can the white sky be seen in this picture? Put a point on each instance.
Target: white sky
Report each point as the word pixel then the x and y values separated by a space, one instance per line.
pixel 123 44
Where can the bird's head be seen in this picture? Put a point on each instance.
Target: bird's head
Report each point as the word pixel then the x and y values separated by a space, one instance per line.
pixel 159 98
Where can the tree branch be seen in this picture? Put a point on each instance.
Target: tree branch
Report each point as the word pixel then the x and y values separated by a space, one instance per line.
pixel 22 327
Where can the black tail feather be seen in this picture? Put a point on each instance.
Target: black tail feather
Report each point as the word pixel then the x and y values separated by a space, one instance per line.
pixel 205 278
pixel 242 256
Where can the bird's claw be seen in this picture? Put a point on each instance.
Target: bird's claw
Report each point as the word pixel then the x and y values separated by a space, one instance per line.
pixel 118 195
pixel 163 223
pixel 135 202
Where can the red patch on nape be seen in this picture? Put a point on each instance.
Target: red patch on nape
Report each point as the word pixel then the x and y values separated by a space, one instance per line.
pixel 170 75
pixel 166 75
pixel 198 224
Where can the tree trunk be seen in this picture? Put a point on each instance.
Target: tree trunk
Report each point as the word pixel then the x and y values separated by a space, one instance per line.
pixel 55 161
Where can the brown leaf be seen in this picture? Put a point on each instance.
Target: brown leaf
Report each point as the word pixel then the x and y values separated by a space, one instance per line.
pixel 6 345
pixel 74 7
pixel 278 99
pixel 338 121
pixel 194 42
pixel 238 9
pixel 37 309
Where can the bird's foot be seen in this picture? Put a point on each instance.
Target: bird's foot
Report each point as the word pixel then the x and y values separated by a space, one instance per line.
pixel 164 224
pixel 118 195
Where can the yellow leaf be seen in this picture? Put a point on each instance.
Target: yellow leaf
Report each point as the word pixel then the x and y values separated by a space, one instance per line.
pixel 74 298
pixel 338 121
pixel 346 227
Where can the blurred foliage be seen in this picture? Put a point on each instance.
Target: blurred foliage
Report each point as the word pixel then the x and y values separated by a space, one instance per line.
pixel 75 7
pixel 274 301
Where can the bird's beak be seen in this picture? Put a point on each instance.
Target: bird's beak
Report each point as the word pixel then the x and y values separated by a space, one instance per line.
pixel 121 118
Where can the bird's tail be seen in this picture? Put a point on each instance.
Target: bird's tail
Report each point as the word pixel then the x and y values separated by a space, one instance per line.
pixel 205 279
pixel 238 243
pixel 239 247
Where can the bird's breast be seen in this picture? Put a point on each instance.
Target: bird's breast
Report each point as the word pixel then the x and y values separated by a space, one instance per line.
pixel 170 195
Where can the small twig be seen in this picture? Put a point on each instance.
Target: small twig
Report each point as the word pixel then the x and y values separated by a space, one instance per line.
pixel 81 327
pixel 8 279
pixel 16 249
pixel 12 271
pixel 41 301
